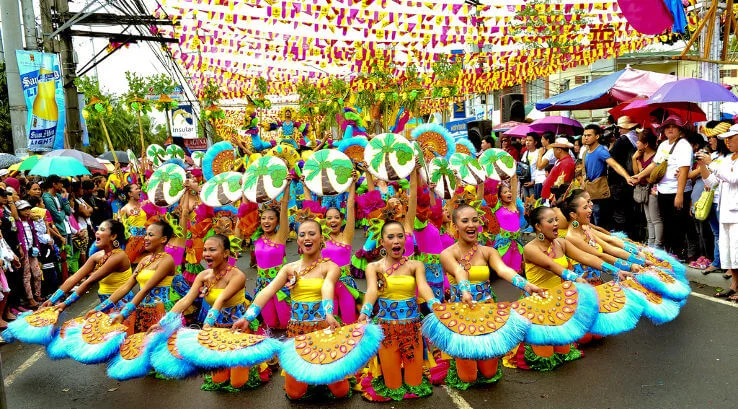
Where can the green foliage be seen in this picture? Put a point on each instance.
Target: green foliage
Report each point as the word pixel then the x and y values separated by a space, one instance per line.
pixel 279 174
pixel 6 131
pixel 530 22
pixel 177 184
pixel 138 88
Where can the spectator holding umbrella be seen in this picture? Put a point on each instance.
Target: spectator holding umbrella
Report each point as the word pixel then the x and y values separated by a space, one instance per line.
pixel 563 171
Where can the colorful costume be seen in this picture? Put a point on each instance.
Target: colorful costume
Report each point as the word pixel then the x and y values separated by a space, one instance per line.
pixel 269 259
pixel 508 241
pixel 155 304
pixel 135 223
pixel 346 290
pixel 430 247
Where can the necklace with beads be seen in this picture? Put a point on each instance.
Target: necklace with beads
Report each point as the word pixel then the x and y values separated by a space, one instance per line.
pixel 382 278
pixel 105 258
pixel 151 260
pixel 301 272
pixel 468 256
pixel 217 276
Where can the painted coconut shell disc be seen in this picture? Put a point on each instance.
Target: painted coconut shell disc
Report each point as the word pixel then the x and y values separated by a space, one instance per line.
pixel 156 154
pixel 175 152
pixel 658 309
pixel 354 147
pixel 265 179
pixel 213 348
pixel 656 280
pixel 498 164
pixel 328 172
pixel 33 327
pixel 464 145
pixel 440 173
pixel 435 140
pixel 133 358
pixel 389 157
pixel 467 168
pixel 222 189
pixel 219 158
pixel 133 161
pixel 324 356
pixel 197 157
pixel 166 185
pixel 619 310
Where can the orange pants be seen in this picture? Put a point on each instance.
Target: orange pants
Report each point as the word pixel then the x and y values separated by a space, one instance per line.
pixel 296 389
pixel 545 351
pixel 392 360
pixel 238 375
pixel 467 368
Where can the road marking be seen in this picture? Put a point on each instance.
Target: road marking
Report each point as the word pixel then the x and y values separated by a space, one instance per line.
pixel 458 400
pixel 25 365
pixel 714 299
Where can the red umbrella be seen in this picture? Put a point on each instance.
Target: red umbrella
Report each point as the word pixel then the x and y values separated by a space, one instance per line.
pixel 640 111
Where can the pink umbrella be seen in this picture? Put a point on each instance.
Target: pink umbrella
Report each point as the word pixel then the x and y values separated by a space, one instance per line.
pixel 506 126
pixel 519 131
pixel 558 125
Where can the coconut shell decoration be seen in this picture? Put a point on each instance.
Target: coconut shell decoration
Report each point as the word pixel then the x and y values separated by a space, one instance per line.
pixel 222 189
pixel 353 147
pixel 197 157
pixel 389 157
pixel 434 140
pixel 440 173
pixel 166 185
pixel 265 179
pixel 156 154
pixel 175 152
pixel 328 172
pixel 219 158
pixel 132 161
pixel 498 164
pixel 464 145
pixel 467 168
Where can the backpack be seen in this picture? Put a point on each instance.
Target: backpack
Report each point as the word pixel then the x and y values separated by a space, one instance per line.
pixel 522 169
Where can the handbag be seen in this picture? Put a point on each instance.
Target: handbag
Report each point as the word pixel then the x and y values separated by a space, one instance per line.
pixel 660 170
pixel 598 188
pixel 641 193
pixel 704 204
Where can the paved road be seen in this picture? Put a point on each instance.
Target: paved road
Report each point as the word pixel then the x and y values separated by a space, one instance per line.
pixel 688 363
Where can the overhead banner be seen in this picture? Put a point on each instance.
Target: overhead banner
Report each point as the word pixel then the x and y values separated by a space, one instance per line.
pixel 184 123
pixel 44 92
pixel 198 144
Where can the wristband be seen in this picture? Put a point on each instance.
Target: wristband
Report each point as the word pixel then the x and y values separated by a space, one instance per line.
pixel 636 260
pixel 58 295
pixel 212 316
pixel 622 264
pixel 253 312
pixel 71 299
pixel 569 275
pixel 367 309
pixel 327 307
pixel 127 310
pixel 630 247
pixel 464 285
pixel 607 267
pixel 433 301
pixel 105 305
pixel 520 282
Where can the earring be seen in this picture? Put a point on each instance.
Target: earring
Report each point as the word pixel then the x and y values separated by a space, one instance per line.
pixel 322 245
pixel 116 244
pixel 383 252
pixel 540 236
pixel 575 224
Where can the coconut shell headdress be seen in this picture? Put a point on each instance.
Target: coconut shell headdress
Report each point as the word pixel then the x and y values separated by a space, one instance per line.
pixel 490 225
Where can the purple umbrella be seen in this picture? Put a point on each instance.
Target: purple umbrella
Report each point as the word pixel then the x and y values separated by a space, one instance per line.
pixel 519 131
pixel 557 125
pixel 692 90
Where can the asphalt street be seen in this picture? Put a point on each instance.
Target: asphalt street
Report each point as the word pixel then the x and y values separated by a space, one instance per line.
pixel 690 362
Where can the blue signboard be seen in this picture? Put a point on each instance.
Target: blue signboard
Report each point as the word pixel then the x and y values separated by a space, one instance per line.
pixel 459 126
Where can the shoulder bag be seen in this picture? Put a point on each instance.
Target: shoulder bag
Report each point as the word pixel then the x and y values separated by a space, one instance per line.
pixel 598 188
pixel 660 170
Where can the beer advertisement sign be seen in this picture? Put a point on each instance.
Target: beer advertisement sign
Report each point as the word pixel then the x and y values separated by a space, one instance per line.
pixel 44 93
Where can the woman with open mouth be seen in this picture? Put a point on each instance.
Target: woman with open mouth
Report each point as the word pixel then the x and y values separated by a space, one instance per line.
pixel 134 218
pixel 393 282
pixel 312 281
pixel 468 266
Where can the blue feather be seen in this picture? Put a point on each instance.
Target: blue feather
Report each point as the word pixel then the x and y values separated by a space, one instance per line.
pixel 486 346
pixel 619 234
pixel 441 130
pixel 661 313
pixel 678 290
pixel 57 348
pixel 122 369
pixel 678 269
pixel 624 320
pixel 164 362
pixel 573 329
pixel 317 374
pixel 353 141
pixel 210 155
pixel 22 331
pixel 81 351
pixel 469 145
pixel 196 354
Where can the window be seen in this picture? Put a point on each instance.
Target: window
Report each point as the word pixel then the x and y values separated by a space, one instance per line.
pixel 729 73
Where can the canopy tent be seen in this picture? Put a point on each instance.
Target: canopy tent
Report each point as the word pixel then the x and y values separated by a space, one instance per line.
pixel 608 91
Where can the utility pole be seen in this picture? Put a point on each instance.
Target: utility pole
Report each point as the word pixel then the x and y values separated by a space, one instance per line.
pixel 12 40
pixel 29 24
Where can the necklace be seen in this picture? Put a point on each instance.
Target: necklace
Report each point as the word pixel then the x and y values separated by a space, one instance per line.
pixel 590 240
pixel 301 272
pixel 466 258
pixel 207 285
pixel 151 260
pixel 105 258
pixel 382 278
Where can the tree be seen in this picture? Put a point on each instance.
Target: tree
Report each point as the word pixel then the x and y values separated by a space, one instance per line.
pixel 6 130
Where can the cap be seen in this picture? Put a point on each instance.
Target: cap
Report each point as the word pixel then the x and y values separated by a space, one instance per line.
pixel 22 204
pixel 4 172
pixel 733 130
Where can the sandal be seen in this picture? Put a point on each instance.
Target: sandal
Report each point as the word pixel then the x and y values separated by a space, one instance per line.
pixel 733 298
pixel 727 276
pixel 710 269
pixel 725 293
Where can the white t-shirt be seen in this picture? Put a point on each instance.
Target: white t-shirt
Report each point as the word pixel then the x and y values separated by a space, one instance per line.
pixel 682 156
pixel 531 158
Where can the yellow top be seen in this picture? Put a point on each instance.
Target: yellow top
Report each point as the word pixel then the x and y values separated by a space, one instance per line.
pixel 144 276
pixel 399 288
pixel 113 281
pixel 214 293
pixel 562 233
pixel 136 219
pixel 307 290
pixel 543 278
pixel 477 274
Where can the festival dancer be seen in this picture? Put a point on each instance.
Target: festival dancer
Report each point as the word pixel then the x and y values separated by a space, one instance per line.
pixel 393 282
pixel 429 240
pixel 468 267
pixel 292 132
pixel 312 281
pixel 508 241
pixel 134 218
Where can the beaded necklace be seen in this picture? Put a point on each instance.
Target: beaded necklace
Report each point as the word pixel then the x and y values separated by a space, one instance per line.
pixel 151 260
pixel 382 277
pixel 105 258
pixel 301 272
pixel 207 285
pixel 466 258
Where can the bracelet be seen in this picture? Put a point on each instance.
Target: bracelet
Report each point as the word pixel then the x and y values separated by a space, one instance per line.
pixel 464 285
pixel 433 301
pixel 212 316
pixel 630 247
pixel 71 299
pixel 607 267
pixel 520 282
pixel 105 305
pixel 58 295
pixel 327 307
pixel 253 312
pixel 636 260
pixel 367 309
pixel 622 264
pixel 127 310
pixel 569 275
